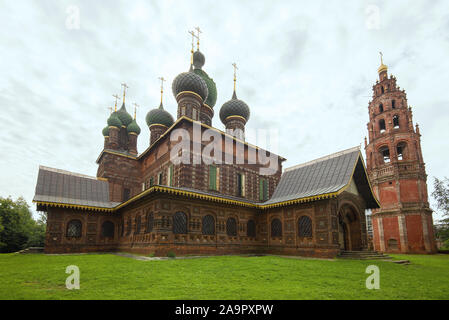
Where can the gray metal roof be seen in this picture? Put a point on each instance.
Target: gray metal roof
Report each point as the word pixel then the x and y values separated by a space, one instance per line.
pixel 321 176
pixel 59 186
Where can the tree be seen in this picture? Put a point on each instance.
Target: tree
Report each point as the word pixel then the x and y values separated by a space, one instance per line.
pixel 441 195
pixel 18 228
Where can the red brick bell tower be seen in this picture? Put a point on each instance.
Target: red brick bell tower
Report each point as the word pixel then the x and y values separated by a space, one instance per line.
pixel 397 172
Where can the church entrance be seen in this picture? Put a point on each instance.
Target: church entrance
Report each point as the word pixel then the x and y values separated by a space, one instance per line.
pixel 349 229
pixel 343 236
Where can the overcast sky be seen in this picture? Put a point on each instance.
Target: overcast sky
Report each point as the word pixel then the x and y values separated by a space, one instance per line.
pixel 306 68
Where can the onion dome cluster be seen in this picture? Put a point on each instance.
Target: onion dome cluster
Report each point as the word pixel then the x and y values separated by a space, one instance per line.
pixel 189 81
pixel 234 107
pixel 133 127
pixel 105 131
pixel 159 116
pixel 121 118
pixel 198 62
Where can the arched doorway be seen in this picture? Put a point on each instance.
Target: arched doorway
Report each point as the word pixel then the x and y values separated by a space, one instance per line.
pixel 349 228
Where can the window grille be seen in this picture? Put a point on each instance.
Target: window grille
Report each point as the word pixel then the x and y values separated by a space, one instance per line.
pixel 107 229
pixel 208 225
pixel 138 224
pixel 74 229
pixel 251 228
pixel 150 222
pixel 231 227
pixel 179 223
pixel 305 227
pixel 276 228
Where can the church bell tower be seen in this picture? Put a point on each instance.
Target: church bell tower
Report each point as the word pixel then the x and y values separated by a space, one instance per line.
pixel 397 172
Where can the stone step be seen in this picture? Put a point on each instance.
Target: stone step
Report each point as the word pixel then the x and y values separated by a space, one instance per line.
pixel 360 252
pixel 368 258
pixel 363 255
pixel 32 250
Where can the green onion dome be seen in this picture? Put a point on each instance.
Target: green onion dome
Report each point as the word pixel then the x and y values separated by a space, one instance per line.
pixel 234 107
pixel 198 59
pixel 133 127
pixel 114 120
pixel 106 131
pixel 189 81
pixel 211 87
pixel 124 116
pixel 159 116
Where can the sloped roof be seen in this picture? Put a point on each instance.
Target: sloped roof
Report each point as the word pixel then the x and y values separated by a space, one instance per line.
pixel 64 187
pixel 324 176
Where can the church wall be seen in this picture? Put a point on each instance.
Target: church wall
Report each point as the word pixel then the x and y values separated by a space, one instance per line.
pixel 91 239
pixel 162 240
pixel 132 234
pixel 409 191
pixel 415 233
pixel 122 173
pixel 191 175
pixel 391 232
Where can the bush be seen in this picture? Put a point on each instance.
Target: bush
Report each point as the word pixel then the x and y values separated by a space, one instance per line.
pixel 171 254
pixel 151 255
pixel 18 229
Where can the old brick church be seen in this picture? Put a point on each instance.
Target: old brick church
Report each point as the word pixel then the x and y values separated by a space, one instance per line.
pixel 222 195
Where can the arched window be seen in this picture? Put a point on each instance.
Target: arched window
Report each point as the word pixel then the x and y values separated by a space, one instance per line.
pixel 128 227
pixel 107 229
pixel 149 222
pixel 251 229
pixel 231 227
pixel 138 224
pixel 74 228
pixel 385 152
pixel 382 89
pixel 305 227
pixel 382 125
pixel 393 104
pixel 381 108
pixel 401 150
pixel 276 228
pixel 396 121
pixel 208 225
pixel 179 223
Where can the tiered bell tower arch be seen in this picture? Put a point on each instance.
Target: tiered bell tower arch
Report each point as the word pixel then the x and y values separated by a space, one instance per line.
pixel 397 172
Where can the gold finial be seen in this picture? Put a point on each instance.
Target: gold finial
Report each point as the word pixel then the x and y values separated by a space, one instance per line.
pixel 191 51
pixel 125 86
pixel 135 109
pixel 382 66
pixel 198 38
pixel 162 86
pixel 116 98
pixel 235 73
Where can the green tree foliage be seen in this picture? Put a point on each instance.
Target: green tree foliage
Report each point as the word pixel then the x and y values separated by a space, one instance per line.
pixel 441 195
pixel 18 229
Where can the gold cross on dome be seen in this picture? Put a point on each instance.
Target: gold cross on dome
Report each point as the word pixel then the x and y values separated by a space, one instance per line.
pixel 235 73
pixel 198 37
pixel 125 86
pixel 116 98
pixel 162 86
pixel 192 33
pixel 135 109
pixel 381 57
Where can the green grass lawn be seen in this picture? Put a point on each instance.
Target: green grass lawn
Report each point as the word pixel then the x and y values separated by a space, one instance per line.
pixel 104 276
